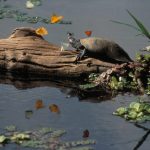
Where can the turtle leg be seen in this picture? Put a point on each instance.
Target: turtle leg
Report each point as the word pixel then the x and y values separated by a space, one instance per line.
pixel 80 55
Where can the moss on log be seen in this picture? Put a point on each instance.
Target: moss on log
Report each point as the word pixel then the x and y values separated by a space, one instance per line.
pixel 26 53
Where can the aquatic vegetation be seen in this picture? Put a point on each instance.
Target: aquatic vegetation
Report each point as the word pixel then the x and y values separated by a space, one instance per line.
pixel 87 86
pixel 3 139
pixel 135 112
pixel 92 76
pixel 133 77
pixel 44 138
pixel 32 3
pixel 140 26
pixel 10 128
pixel 7 11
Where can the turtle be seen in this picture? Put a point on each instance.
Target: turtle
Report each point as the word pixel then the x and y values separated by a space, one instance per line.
pixel 99 48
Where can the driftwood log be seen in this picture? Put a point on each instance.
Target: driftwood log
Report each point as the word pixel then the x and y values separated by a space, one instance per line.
pixel 28 54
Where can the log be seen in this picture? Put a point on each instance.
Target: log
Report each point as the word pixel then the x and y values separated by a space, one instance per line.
pixel 26 53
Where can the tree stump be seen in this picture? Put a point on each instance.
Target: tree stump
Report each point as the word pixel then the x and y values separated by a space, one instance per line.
pixel 26 53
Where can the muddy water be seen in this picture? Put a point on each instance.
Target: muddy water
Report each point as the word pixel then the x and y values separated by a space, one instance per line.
pixel 110 132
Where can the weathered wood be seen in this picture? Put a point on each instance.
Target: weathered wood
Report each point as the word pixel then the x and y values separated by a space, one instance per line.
pixel 27 53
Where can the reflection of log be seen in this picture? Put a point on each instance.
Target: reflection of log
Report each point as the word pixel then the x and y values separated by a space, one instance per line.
pixel 25 52
pixel 69 88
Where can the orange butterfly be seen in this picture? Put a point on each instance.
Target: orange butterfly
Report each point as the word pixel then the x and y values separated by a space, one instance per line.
pixel 55 19
pixel 39 104
pixel 41 31
pixel 54 108
pixel 88 33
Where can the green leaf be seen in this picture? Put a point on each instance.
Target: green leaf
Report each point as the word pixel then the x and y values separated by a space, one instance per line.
pixel 2 139
pixel 136 106
pixel 87 86
pixel 120 111
pixel 140 25
pixel 10 128
pixel 132 115
pixel 20 136
pixel 129 25
pixel 114 83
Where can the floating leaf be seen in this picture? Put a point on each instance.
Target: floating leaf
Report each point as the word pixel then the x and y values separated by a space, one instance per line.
pixel 57 133
pixel 137 112
pixel 20 137
pixel 39 104
pixel 10 128
pixel 120 111
pixel 3 139
pixel 32 3
pixel 41 31
pixel 45 130
pixel 55 18
pixel 87 86
pixel 86 133
pixel 64 46
pixel 135 106
pixel 34 144
pixel 88 33
pixel 132 115
pixel 114 83
pixel 28 114
pixel 54 108
pixel 29 5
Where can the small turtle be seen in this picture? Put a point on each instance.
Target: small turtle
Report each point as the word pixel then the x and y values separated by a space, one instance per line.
pixel 99 48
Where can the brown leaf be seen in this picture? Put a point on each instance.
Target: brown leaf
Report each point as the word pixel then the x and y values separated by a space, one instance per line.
pixel 39 104
pixel 86 133
pixel 54 108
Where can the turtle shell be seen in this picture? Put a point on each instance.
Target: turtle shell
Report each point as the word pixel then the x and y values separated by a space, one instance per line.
pixel 101 48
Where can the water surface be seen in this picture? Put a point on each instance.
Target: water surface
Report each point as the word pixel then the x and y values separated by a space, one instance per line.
pixel 110 132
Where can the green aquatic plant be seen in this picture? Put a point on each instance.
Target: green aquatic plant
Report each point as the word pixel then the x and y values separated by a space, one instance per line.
pixel 92 76
pixel 3 139
pixel 140 26
pixel 10 128
pixel 87 86
pixel 43 138
pixel 135 112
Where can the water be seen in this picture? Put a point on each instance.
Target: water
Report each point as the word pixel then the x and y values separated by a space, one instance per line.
pixel 110 132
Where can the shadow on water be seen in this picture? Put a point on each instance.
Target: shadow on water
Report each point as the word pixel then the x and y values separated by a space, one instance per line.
pixel 143 138
pixel 69 88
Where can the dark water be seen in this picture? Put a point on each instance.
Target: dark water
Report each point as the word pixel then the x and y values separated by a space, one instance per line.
pixel 110 132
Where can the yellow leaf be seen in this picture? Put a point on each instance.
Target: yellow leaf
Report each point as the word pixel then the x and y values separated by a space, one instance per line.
pixel 55 19
pixel 41 31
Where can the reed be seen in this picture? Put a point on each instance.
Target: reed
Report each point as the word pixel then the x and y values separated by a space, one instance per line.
pixel 139 25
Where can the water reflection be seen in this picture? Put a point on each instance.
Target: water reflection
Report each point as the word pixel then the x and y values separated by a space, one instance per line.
pixel 70 88
pixel 143 138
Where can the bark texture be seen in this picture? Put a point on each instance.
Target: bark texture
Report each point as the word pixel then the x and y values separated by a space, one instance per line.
pixel 26 53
